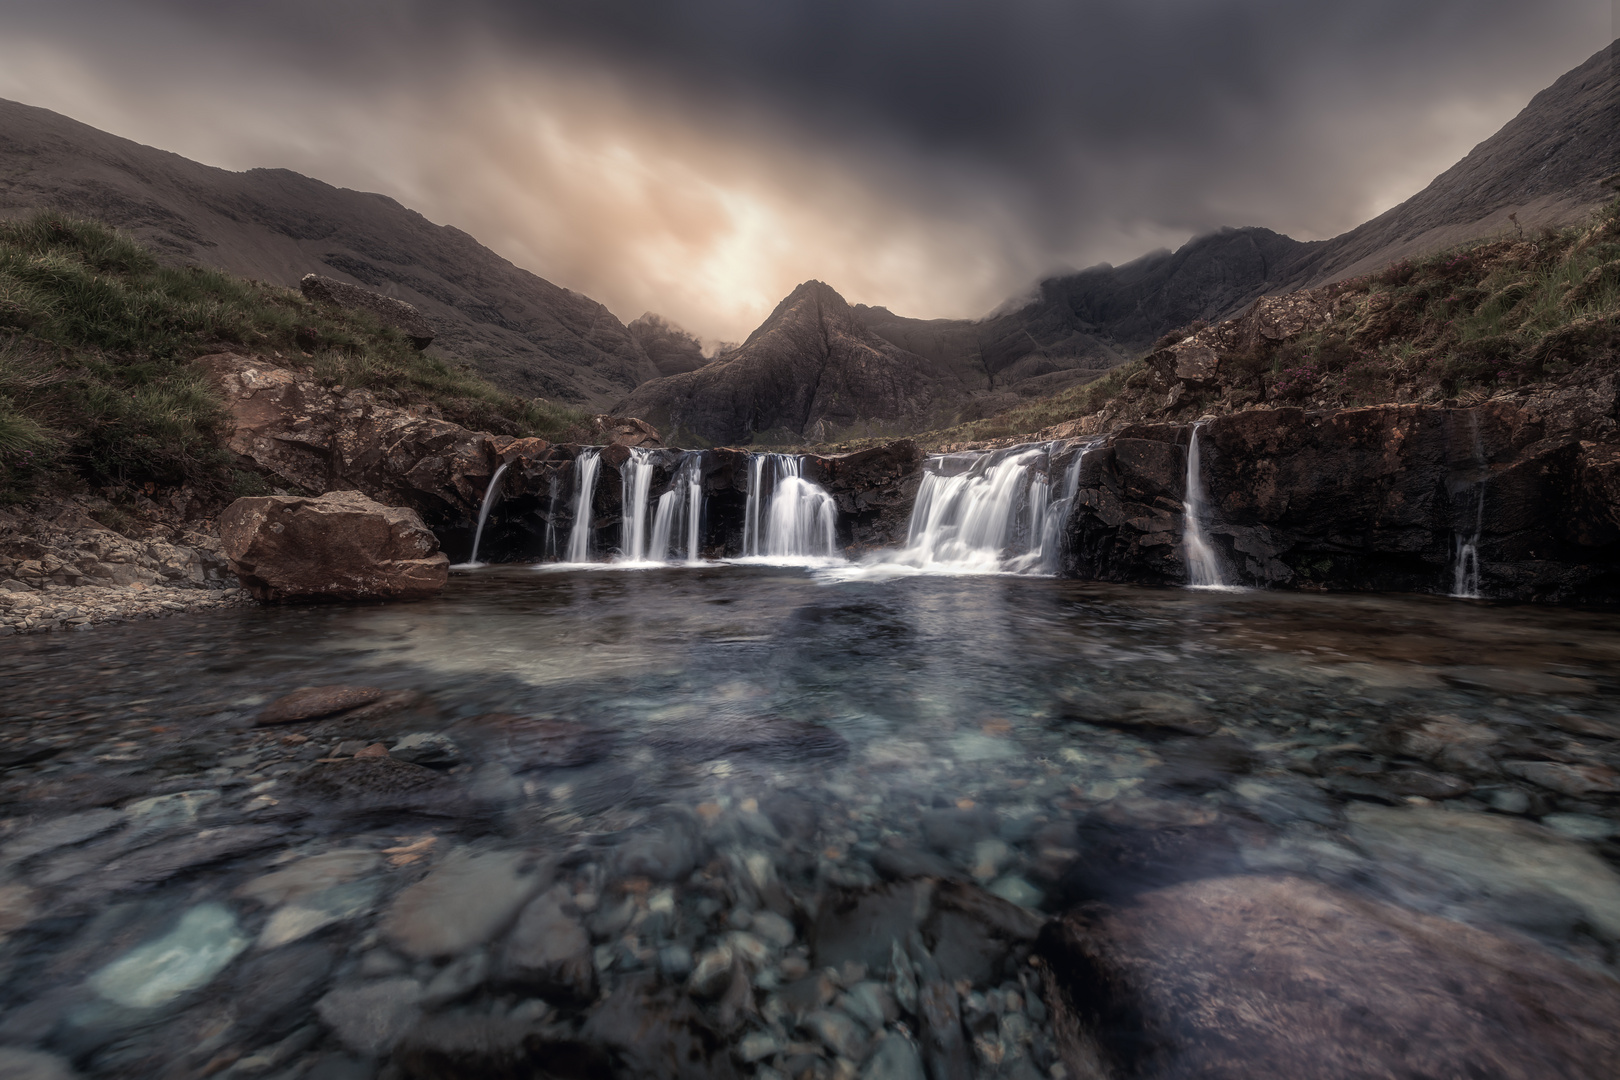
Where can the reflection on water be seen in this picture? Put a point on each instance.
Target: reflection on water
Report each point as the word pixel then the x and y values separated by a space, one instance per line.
pixel 824 818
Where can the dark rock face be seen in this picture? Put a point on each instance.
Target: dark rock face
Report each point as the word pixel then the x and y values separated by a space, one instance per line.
pixel 396 313
pixel 811 369
pixel 341 546
pixel 672 350
pixel 1372 498
pixel 1227 977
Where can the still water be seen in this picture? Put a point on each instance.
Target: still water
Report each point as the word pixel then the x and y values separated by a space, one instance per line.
pixel 757 820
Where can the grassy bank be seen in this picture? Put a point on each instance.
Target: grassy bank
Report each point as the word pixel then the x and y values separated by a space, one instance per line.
pixel 97 384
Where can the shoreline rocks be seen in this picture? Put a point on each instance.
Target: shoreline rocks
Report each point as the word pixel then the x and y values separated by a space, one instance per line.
pixel 341 546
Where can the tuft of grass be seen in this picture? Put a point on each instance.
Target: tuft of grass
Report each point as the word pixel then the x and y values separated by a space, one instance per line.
pixel 97 383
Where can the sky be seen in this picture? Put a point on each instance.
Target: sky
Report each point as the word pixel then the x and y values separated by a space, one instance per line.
pixel 700 158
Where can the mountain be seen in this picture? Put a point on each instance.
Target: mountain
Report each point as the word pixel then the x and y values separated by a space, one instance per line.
pixel 1550 165
pixel 520 331
pixel 810 369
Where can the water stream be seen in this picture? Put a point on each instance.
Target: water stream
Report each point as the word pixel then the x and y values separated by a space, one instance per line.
pixel 586 468
pixel 679 516
pixel 483 513
pixel 637 476
pixel 787 516
pixel 1465 549
pixel 1203 566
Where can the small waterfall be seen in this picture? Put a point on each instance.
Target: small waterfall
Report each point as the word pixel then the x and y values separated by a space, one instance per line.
pixel 637 474
pixel 483 513
pixel 680 511
pixel 551 518
pixel 1203 570
pixel 586 468
pixel 787 516
pixel 1465 550
pixel 991 513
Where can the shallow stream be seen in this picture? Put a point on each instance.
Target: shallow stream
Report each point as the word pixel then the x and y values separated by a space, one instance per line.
pixel 684 781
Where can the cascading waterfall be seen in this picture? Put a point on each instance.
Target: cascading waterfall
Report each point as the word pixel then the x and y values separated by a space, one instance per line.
pixel 680 511
pixel 551 518
pixel 586 468
pixel 637 475
pixel 483 513
pixel 1465 550
pixel 787 516
pixel 991 513
pixel 1203 569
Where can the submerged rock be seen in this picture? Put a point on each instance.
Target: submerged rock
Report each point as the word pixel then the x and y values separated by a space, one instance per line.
pixel 314 702
pixel 202 945
pixel 341 546
pixel 464 902
pixel 1239 977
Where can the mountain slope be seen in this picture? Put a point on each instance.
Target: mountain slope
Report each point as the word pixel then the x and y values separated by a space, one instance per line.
pixel 810 369
pixel 520 331
pixel 1547 165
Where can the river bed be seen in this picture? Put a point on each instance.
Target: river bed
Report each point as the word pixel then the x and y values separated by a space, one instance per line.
pixel 734 819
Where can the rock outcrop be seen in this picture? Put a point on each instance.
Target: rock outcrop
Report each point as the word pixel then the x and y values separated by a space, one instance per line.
pixel 1228 977
pixel 1383 497
pixel 341 546
pixel 392 312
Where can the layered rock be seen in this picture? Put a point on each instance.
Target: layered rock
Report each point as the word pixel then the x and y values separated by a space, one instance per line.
pixel 1382 497
pixel 341 546
pixel 391 311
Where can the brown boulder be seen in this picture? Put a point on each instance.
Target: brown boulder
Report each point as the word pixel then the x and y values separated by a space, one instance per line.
pixel 341 546
pixel 313 702
pixel 624 430
pixel 1277 976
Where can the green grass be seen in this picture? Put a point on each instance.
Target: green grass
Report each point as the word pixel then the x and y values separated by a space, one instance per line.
pixel 97 383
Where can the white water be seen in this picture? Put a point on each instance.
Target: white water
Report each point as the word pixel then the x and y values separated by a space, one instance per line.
pixel 483 513
pixel 787 516
pixel 988 513
pixel 1465 550
pixel 1203 569
pixel 637 475
pixel 680 512
pixel 586 468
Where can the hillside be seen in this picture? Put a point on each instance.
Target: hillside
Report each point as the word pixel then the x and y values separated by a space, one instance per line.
pixel 523 333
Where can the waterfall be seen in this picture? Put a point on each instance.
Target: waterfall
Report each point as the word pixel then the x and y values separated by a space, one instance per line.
pixel 680 511
pixel 637 475
pixel 787 516
pixel 991 512
pixel 586 467
pixel 551 518
pixel 1203 571
pixel 1465 550
pixel 483 512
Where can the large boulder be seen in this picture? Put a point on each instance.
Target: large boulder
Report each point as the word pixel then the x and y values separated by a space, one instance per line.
pixel 341 546
pixel 1279 976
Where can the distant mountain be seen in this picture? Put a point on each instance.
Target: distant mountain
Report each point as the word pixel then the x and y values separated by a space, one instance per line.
pixel 520 331
pixel 810 369
pixel 1549 166
pixel 672 350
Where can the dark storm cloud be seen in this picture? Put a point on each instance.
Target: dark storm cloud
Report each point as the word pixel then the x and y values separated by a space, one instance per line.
pixel 932 155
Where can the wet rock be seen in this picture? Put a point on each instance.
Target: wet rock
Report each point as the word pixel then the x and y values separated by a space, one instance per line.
pixel 1149 713
pixel 955 831
pixel 316 911
pixel 376 783
pixel 757 1045
pixel 837 1031
pixel 19 905
pixel 429 749
pixel 655 1034
pixel 202 945
pixel 1015 890
pixel 311 875
pixel 464 1044
pixel 1494 855
pixel 1576 724
pixel 977 936
pixel 538 742
pixel 341 546
pixel 164 860
pixel 903 864
pixel 18 1064
pixel 1222 977
pixel 870 1003
pixel 370 1018
pixel 315 702
pixel 805 995
pixel 1116 859
pixel 1582 826
pixel 57 833
pixel 1427 784
pixel 1200 765
pixel 944 1043
pixel 665 852
pixel 773 929
pixel 465 901
pixel 549 947
pixel 1573 780
pixel 894 1059
pixel 862 925
pixel 272 992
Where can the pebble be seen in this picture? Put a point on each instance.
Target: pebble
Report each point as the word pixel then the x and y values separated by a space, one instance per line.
pixel 317 911
pixel 37 612
pixel 837 1031
pixel 773 928
pixel 895 1058
pixel 427 748
pixel 16 1064
pixel 204 943
pixel 1016 890
pixel 369 1019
